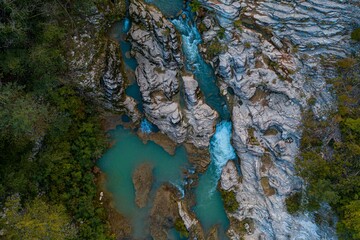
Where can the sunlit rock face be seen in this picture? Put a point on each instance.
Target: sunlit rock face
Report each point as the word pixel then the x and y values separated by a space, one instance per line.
pixel 157 52
pixel 274 64
pixel 201 116
pixel 157 48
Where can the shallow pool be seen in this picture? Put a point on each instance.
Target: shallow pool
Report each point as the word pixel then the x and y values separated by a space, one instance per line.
pixel 119 163
pixel 170 8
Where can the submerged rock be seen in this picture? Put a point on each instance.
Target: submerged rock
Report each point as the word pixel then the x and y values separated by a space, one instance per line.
pixel 164 212
pixel 142 179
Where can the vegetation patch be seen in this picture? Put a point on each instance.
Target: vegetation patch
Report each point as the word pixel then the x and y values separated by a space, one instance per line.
pixel 229 199
pixel 251 136
pixel 50 133
pixel 242 227
pixel 180 227
pixel 355 35
pixel 238 24
pixel 266 162
pixel 330 164
pixel 293 202
pixel 195 5
pixel 215 48
pixel 272 131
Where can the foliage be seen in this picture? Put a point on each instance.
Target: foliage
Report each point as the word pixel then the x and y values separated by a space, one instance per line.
pixel 215 48
pixel 346 63
pixel 202 27
pixel 195 5
pixel 331 166
pixel 293 202
pixel 221 33
pixel 180 227
pixel 229 199
pixel 38 220
pixel 238 24
pixel 50 134
pixel 21 116
pixel 355 35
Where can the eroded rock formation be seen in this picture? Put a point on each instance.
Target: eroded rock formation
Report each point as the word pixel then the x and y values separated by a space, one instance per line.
pixel 274 63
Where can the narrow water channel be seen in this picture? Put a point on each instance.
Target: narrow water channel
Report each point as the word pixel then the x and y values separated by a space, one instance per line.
pixel 207 196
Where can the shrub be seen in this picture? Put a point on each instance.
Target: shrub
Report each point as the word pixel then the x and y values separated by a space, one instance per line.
pixel 355 35
pixel 202 28
pixel 229 199
pixel 215 48
pixel 221 33
pixel 293 202
pixel 195 5
pixel 180 227
pixel 238 24
pixel 346 63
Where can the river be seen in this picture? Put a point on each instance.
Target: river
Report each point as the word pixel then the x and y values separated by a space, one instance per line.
pixel 129 151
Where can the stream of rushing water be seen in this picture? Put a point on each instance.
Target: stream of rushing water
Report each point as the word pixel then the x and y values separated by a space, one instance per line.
pixel 209 206
pixel 129 151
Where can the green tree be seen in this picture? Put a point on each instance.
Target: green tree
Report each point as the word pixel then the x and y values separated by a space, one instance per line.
pixel 37 220
pixel 21 116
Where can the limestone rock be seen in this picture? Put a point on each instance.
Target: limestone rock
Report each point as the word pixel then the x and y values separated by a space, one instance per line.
pixel 274 65
pixel 201 117
pixel 156 47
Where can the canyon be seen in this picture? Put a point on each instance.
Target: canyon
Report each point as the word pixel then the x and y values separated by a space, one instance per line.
pixel 222 91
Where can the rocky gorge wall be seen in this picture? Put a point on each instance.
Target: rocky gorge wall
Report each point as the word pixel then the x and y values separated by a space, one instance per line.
pixel 157 49
pixel 273 59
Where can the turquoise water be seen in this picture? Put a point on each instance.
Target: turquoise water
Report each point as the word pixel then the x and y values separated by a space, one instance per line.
pixel 119 32
pixel 170 8
pixel 195 64
pixel 129 151
pixel 209 205
pixel 119 162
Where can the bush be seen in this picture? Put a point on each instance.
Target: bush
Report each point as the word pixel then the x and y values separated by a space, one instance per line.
pixel 293 202
pixel 180 227
pixel 195 5
pixel 346 63
pixel 221 33
pixel 355 35
pixel 229 199
pixel 215 48
pixel 238 24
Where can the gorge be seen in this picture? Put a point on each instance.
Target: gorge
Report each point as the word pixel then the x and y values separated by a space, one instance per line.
pixel 254 81
pixel 180 119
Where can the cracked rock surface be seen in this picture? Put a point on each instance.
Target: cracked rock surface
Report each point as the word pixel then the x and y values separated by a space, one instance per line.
pixel 157 48
pixel 274 63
